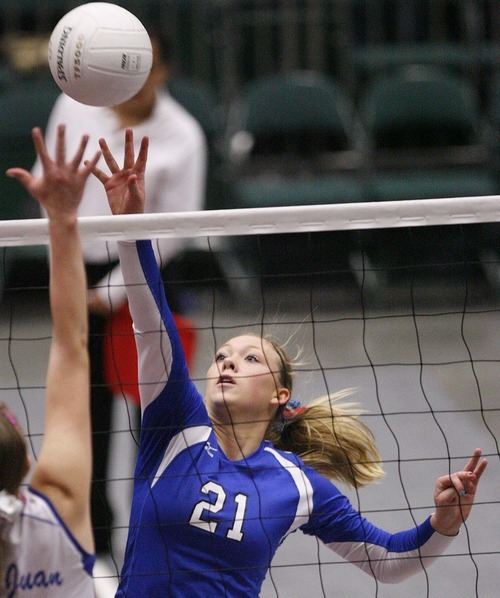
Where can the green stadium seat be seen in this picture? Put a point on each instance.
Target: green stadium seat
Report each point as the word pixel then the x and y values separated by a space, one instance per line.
pixel 421 117
pixel 426 137
pixel 291 141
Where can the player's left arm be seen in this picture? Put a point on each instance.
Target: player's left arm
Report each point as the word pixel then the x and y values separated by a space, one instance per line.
pixel 392 558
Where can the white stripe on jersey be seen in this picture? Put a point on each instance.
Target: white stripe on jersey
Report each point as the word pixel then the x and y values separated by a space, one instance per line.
pixel 180 442
pixel 305 502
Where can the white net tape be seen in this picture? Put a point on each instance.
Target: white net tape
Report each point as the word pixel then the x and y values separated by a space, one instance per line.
pixel 257 221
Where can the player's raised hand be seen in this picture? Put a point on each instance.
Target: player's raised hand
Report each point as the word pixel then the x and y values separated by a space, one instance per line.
pixel 124 186
pixel 454 495
pixel 60 188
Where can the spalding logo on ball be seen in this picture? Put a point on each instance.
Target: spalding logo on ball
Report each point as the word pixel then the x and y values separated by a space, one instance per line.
pixel 100 54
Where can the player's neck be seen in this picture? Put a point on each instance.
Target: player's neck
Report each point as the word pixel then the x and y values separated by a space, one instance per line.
pixel 238 441
pixel 131 115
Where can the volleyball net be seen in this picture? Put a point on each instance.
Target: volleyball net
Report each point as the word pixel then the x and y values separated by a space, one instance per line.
pixel 398 300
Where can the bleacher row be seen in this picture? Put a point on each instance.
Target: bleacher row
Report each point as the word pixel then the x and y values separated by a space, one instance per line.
pixel 299 138
pixel 226 43
pixel 417 132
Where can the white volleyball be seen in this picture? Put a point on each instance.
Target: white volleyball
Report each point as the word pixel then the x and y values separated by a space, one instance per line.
pixel 100 54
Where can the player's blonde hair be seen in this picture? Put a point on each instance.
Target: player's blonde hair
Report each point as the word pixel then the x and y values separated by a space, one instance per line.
pixel 327 434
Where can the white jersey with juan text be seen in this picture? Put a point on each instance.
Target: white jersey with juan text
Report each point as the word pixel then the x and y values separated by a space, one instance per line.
pixel 43 558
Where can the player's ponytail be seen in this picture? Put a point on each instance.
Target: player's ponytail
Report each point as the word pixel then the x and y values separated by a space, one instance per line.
pixel 329 435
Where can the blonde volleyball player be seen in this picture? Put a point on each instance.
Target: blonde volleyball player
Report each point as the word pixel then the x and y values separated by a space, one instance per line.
pixel 46 542
pixel 221 480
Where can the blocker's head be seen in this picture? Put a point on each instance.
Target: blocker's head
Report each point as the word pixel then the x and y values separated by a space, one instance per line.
pixel 14 460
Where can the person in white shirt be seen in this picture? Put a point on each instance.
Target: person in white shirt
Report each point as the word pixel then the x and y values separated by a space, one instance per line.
pixel 176 182
pixel 46 540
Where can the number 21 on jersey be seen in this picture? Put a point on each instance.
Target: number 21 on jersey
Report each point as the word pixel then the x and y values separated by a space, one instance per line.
pixel 235 531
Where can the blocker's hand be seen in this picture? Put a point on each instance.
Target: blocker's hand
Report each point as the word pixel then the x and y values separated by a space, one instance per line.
pixel 454 496
pixel 125 187
pixel 59 190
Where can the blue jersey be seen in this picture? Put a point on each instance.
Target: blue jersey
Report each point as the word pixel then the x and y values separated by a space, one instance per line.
pixel 203 525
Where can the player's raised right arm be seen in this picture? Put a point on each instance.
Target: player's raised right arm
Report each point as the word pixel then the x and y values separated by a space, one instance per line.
pixel 125 190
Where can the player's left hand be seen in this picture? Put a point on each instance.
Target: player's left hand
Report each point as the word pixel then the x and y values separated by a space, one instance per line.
pixel 454 496
pixel 59 190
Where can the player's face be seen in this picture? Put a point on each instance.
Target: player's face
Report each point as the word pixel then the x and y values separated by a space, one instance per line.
pixel 245 380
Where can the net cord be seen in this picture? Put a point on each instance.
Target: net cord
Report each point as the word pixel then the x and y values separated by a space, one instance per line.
pixel 269 220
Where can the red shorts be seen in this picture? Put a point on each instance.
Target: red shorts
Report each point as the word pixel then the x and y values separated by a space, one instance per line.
pixel 120 354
